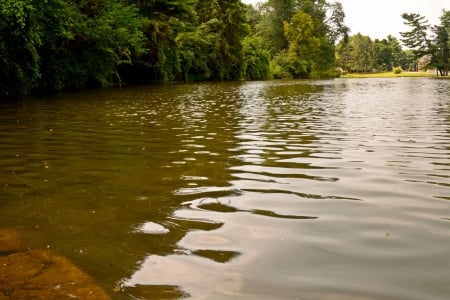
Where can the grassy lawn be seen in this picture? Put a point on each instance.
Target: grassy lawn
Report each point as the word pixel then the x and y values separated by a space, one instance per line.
pixel 388 75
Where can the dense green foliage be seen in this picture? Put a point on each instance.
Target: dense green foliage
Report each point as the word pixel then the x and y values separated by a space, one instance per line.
pixel 301 35
pixel 436 45
pixel 57 44
pixel 20 41
pixel 362 54
pixel 54 45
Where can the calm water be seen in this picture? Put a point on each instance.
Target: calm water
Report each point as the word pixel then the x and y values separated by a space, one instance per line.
pixel 263 190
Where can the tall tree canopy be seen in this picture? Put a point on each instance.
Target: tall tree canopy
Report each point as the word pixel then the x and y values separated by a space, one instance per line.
pixel 425 39
pixel 303 44
pixel 57 45
pixel 60 44
pixel 282 24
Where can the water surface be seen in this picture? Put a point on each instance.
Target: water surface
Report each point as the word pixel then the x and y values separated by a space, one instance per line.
pixel 332 189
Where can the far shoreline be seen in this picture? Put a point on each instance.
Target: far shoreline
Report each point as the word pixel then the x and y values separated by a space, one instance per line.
pixel 392 75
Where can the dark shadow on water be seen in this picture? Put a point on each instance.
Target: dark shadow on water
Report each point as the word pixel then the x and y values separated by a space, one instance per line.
pixel 220 207
pixel 303 195
pixel 162 292
pixel 269 213
pixel 217 206
pixel 219 256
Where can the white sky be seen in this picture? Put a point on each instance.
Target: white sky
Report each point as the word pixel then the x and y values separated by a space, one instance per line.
pixel 379 18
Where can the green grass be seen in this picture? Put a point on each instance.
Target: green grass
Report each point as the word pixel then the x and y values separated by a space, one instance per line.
pixel 388 75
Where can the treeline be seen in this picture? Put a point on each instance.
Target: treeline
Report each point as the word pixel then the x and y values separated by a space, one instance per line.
pixel 361 54
pixel 55 45
pixel 429 48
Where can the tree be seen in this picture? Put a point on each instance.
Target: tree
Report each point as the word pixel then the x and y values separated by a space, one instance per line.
pixel 161 60
pixel 388 53
pixel 357 55
pixel 344 51
pixel 61 44
pixel 193 53
pixel 55 45
pixel 441 46
pixel 329 28
pixel 271 27
pixel 85 43
pixel 408 60
pixel 19 44
pixel 440 49
pixel 280 66
pixel 437 46
pixel 224 25
pixel 254 16
pixel 317 10
pixel 256 59
pixel 303 44
pixel 336 27
pixel 417 37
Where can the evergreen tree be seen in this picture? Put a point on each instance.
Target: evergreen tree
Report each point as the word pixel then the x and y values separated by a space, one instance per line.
pixel 417 37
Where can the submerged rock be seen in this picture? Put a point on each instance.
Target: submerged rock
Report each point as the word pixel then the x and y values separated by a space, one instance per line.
pixel 10 242
pixel 41 274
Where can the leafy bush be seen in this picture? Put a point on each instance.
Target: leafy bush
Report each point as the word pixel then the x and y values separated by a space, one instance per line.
pixel 279 66
pixel 398 70
pixel 256 59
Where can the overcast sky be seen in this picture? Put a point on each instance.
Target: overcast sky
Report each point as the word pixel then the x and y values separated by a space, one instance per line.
pixel 378 18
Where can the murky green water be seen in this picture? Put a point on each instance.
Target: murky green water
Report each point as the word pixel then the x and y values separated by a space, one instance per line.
pixel 263 190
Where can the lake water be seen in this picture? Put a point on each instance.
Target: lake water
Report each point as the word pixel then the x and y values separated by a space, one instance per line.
pixel 334 189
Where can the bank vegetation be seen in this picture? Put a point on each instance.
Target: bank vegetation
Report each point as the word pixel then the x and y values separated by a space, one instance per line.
pixel 57 45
